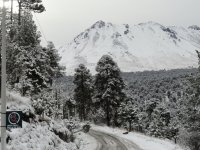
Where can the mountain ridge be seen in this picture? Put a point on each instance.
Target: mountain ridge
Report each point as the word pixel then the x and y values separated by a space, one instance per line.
pixel 146 46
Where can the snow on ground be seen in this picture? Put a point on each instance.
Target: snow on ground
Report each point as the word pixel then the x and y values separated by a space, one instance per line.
pixel 143 141
pixel 16 102
pixel 38 135
pixel 87 142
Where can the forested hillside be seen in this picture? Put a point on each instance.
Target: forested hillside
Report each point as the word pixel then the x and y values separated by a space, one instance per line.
pixel 142 78
pixel 158 103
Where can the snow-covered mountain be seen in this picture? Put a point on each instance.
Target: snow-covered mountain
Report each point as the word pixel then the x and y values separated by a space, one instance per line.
pixel 146 46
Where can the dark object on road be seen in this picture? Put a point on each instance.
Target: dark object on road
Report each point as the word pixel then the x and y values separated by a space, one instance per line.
pixel 125 133
pixel 86 128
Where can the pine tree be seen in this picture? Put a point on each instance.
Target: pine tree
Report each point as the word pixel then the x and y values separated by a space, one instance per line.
pixel 55 70
pixel 160 121
pixel 22 53
pixel 69 109
pixel 150 106
pixel 31 67
pixel 191 112
pixel 109 87
pixel 44 103
pixel 31 5
pixel 191 117
pixel 128 113
pixel 34 76
pixel 83 91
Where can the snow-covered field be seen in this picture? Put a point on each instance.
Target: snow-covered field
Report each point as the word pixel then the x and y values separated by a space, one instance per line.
pixel 142 141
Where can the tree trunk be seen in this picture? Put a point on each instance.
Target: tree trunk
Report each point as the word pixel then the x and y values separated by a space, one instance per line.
pixel 58 99
pixel 70 108
pixel 175 140
pixel 107 113
pixel 116 124
pixel 87 109
pixel 19 13
pixel 197 146
pixel 83 99
pixel 81 112
pixel 84 114
pixel 130 126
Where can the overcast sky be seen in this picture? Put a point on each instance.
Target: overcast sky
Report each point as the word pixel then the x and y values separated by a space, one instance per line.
pixel 64 19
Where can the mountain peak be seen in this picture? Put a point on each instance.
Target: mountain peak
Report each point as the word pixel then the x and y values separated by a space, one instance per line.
pixel 150 23
pixel 194 27
pixel 148 46
pixel 99 24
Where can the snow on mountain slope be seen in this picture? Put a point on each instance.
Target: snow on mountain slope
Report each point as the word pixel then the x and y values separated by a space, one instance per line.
pixel 146 46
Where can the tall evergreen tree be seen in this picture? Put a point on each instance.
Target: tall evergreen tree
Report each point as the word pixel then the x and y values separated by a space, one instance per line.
pixel 128 112
pixel 55 70
pixel 30 66
pixel 108 93
pixel 25 55
pixel 83 91
pixel 160 121
pixel 31 5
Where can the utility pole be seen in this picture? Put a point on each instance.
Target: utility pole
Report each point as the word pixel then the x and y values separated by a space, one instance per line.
pixel 3 80
pixel 11 11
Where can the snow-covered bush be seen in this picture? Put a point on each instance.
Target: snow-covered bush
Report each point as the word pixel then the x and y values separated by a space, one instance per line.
pixel 65 128
pixel 16 102
pixel 60 129
pixel 37 137
pixel 46 135
pixel 98 116
pixel 45 103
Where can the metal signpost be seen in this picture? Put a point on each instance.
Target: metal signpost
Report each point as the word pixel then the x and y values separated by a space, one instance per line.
pixel 3 80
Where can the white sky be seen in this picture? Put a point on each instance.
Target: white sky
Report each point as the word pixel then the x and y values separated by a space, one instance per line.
pixel 64 19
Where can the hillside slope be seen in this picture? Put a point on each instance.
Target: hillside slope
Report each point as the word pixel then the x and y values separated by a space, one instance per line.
pixel 146 46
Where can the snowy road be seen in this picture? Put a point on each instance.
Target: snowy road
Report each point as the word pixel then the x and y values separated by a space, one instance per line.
pixel 110 142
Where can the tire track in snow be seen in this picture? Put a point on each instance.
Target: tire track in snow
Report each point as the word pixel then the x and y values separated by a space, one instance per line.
pixel 110 142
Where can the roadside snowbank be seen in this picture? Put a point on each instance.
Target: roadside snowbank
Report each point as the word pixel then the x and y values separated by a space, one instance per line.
pixel 16 102
pixel 37 137
pixel 86 141
pixel 143 141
